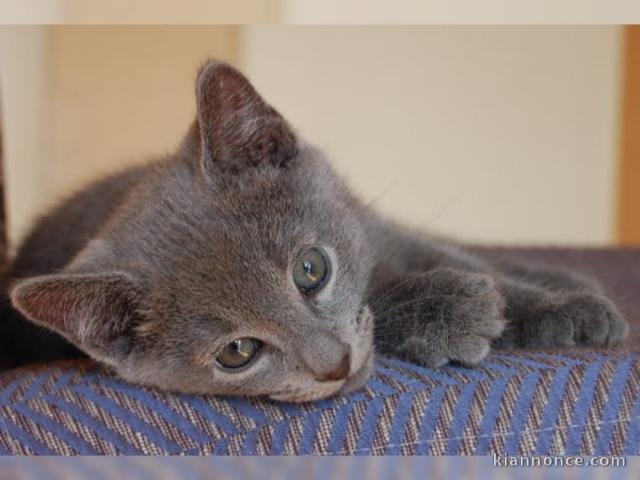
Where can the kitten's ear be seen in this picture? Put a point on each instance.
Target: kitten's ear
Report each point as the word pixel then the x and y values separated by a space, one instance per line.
pixel 238 128
pixel 94 311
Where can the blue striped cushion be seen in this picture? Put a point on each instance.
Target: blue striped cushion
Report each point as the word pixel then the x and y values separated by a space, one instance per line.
pixel 524 403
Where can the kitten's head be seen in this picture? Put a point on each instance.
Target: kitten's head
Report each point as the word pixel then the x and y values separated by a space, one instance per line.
pixel 239 265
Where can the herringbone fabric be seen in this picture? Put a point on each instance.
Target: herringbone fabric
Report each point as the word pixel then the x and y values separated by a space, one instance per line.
pixel 525 403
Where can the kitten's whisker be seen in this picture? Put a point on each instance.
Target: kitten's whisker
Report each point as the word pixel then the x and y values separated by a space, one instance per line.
pixel 413 301
pixel 386 332
pixel 417 233
pixel 430 317
pixel 394 288
pixel 379 196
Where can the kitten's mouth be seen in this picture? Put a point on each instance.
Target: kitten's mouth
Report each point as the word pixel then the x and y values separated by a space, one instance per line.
pixel 353 382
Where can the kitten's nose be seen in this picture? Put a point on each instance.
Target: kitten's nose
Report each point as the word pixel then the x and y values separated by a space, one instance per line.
pixel 336 372
pixel 326 357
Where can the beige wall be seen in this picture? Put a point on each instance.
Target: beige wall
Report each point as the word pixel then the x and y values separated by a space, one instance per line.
pixel 321 12
pixel 108 97
pixel 170 11
pixel 24 85
pixel 448 12
pixel 492 134
pixel 30 12
pixel 219 12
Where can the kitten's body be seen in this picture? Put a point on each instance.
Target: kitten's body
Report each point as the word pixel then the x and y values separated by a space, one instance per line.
pixel 56 239
pixel 189 242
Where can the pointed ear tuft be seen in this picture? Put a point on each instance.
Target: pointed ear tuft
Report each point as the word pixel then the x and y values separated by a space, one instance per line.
pixel 94 311
pixel 238 128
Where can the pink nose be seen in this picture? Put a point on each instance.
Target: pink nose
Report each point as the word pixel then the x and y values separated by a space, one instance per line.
pixel 338 372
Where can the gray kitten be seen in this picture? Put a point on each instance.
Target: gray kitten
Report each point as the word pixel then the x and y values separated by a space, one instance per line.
pixel 241 264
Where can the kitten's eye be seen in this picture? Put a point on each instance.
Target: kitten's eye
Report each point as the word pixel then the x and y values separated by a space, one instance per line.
pixel 239 353
pixel 311 270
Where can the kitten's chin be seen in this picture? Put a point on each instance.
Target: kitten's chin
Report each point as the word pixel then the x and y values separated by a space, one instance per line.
pixel 317 394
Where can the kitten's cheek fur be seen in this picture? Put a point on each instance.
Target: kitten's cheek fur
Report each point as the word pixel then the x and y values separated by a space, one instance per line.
pixel 363 339
pixel 359 378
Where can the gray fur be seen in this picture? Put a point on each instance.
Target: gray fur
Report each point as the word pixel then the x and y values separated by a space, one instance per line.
pixel 154 270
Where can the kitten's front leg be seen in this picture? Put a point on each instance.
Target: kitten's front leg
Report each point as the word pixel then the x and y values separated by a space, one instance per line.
pixel 439 316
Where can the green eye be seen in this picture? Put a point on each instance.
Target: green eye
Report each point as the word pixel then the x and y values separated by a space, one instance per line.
pixel 311 270
pixel 239 353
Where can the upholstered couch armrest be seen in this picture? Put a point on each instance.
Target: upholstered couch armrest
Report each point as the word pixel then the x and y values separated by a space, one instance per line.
pixel 519 403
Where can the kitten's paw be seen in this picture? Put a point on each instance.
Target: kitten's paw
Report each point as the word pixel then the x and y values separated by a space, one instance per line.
pixel 462 324
pixel 581 319
pixel 596 320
